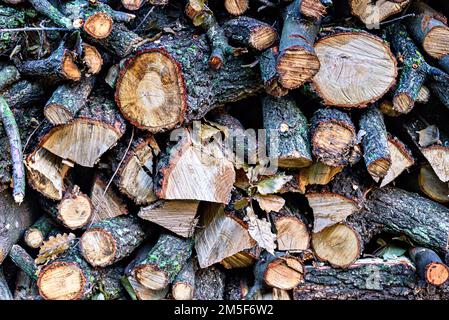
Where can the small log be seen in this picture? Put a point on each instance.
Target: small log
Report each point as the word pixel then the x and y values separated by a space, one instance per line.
pixel 5 291
pixel 366 279
pixel 333 136
pixel 133 167
pixel 67 100
pixel 401 159
pixel 209 284
pixel 108 241
pixel 317 173
pixel 211 174
pixel 375 144
pixel 269 73
pixel 14 220
pixel 106 203
pixel 183 287
pixel 68 277
pixel 24 261
pixel 47 9
pixel 36 234
pixel 92 59
pixel 430 29
pixel 432 186
pixel 139 292
pixel 75 209
pixel 60 65
pixel 133 5
pixel 283 116
pixel 97 127
pixel 372 13
pixel 347 76
pixel 436 153
pixel 429 266
pixel 186 89
pixel 292 232
pixel 178 216
pixel 297 61
pixel 46 173
pixel 163 262
pixel 221 232
pixel 236 7
pixel 8 76
pixel 250 33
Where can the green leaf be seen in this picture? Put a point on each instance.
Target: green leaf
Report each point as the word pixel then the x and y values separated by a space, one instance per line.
pixel 272 184
pixel 391 252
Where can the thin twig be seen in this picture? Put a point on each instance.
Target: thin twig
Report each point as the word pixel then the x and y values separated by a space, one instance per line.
pixel 144 19
pixel 29 138
pixel 398 18
pixel 27 29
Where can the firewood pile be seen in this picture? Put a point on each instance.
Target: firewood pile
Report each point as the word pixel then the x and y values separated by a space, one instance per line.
pixel 230 149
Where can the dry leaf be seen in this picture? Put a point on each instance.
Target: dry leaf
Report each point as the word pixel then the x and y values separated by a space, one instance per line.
pixel 272 184
pixel 270 203
pixel 428 136
pixel 260 231
pixel 53 247
pixel 240 204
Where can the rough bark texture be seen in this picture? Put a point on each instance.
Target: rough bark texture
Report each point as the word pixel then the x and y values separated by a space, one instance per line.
pixel 38 231
pixel 269 73
pixel 209 284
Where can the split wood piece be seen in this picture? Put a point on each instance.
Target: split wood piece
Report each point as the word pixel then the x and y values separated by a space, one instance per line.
pixel 399 212
pixel 343 196
pixel 243 259
pixel 106 203
pixel 68 277
pixel 36 234
pixel 209 284
pixel 297 61
pixel 165 85
pixel 429 266
pixel 8 76
pixel 437 154
pixel 108 241
pixel 269 73
pixel 221 232
pixel 236 7
pixel 401 159
pixel 67 100
pixel 23 93
pixel 292 231
pixel 339 245
pixel 133 166
pixel 121 41
pixel 75 209
pixel 92 59
pixel 283 118
pixel 333 136
pixel 375 144
pixel 281 271
pixel 366 279
pixel 317 173
pixel 163 262
pixel 433 187
pixel 24 261
pixel 14 220
pixel 250 33
pixel 191 170
pixel 183 287
pixel 46 173
pixel 349 77
pixel 414 71
pixel 60 65
pixel 5 292
pixel 372 13
pixel 430 29
pixel 97 127
pixel 178 216
pixel 314 9
pixel 47 9
pixel 25 287
pixel 139 292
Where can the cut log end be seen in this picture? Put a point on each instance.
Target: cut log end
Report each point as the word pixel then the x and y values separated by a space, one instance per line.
pixel 435 43
pixel 57 113
pixel 61 281
pixel 236 7
pixel 132 4
pixel 182 291
pixel 374 12
pixel 150 91
pixel 296 66
pixel 92 59
pixel 312 9
pixel 262 37
pixel 98 25
pixel 151 277
pixel 437 273
pixel 292 234
pixel 69 68
pixel 379 168
pixel 98 247
pixel 339 245
pixel 403 103
pixel 349 76
pixel 284 273
pixel 433 187
pixel 438 157
pixel 75 211
pixel 33 238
